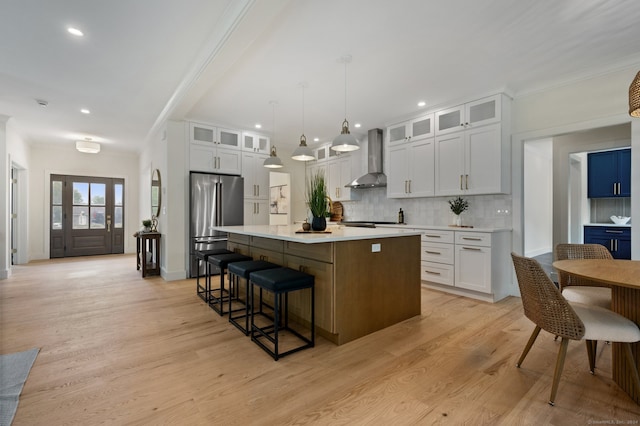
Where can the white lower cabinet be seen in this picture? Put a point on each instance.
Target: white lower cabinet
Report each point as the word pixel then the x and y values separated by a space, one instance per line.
pixel 256 212
pixel 469 263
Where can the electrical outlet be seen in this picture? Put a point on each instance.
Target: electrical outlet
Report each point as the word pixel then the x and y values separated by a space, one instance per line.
pixel 375 248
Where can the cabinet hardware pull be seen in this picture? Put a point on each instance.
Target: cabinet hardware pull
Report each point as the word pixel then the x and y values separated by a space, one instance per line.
pixel 433 236
pixel 432 252
pixel 613 232
pixel 409 186
pixel 616 245
pixel 466 181
pixel 460 182
pixel 472 238
pixel 619 188
pixel 472 248
pixel 431 272
pixel 614 188
pixel 610 245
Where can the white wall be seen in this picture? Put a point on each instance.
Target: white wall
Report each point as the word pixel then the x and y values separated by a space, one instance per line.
pixel 538 205
pixel 592 103
pixel 46 160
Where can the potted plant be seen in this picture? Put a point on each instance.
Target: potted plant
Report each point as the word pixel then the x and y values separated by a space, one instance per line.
pixel 317 200
pixel 147 225
pixel 458 205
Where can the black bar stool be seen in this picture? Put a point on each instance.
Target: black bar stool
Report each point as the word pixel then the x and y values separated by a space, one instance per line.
pixel 202 255
pixel 239 270
pixel 280 281
pixel 221 261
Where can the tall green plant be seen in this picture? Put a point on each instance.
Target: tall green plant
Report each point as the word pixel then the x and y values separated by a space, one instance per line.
pixel 317 194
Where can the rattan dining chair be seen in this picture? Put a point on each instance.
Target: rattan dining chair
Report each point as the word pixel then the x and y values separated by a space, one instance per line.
pixel 549 310
pixel 582 290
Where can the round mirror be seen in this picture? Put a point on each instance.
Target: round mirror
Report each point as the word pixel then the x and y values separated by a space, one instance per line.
pixel 156 193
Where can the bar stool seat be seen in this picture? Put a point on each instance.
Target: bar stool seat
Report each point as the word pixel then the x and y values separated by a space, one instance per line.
pixel 201 256
pixel 239 270
pixel 280 281
pixel 222 261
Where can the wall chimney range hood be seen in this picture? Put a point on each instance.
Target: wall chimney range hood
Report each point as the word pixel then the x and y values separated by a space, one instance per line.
pixel 374 178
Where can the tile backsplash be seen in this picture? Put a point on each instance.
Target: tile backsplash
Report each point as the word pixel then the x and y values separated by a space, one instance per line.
pixel 485 211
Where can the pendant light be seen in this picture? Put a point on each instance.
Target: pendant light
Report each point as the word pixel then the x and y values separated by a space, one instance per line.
pixel 273 162
pixel 634 97
pixel 345 141
pixel 303 152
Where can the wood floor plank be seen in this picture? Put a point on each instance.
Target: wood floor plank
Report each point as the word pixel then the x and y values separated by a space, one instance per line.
pixel 119 349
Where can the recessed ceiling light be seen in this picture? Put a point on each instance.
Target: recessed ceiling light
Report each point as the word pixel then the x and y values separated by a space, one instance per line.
pixel 258 126
pixel 85 111
pixel 75 31
pixel 357 125
pixel 316 139
pixel 421 103
pixel 42 103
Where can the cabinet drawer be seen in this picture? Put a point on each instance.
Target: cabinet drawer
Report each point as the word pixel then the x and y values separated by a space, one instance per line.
pixel 276 257
pixel 239 248
pixel 321 252
pixel 437 273
pixel 437 252
pixel 474 238
pixel 239 238
pixel 437 236
pixel 607 232
pixel 268 243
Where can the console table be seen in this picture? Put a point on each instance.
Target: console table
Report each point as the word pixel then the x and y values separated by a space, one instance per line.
pixel 148 252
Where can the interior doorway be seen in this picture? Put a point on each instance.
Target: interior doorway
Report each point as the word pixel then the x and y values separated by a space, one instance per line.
pixel 87 216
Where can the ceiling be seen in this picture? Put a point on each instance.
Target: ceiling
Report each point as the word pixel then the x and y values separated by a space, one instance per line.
pixel 224 61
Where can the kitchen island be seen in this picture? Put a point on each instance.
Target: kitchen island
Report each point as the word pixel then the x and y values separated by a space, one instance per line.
pixel 366 279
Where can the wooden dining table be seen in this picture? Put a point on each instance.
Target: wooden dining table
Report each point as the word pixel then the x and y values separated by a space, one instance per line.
pixel 623 276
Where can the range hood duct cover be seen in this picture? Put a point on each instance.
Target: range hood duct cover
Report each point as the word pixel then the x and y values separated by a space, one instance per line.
pixel 375 178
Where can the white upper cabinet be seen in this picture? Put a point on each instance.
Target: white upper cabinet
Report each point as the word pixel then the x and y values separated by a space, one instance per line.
pixel 410 169
pixel 411 130
pixel 339 175
pixel 255 143
pixel 256 176
pixel 472 114
pixel 204 134
pixel 471 162
pixel 213 149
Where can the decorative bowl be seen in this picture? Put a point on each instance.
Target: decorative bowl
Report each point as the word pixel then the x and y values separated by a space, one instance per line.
pixel 619 220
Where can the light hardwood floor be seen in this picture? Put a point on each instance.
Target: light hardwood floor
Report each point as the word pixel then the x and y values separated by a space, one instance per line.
pixel 119 349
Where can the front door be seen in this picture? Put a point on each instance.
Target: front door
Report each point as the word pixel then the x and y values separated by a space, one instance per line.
pixel 87 216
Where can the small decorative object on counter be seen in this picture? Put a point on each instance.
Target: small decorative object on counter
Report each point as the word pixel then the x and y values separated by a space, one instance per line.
pixel 458 205
pixel 146 223
pixel 306 225
pixel 400 216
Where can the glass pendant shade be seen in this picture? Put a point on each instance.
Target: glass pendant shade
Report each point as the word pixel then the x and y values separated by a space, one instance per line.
pixel 345 141
pixel 634 97
pixel 303 152
pixel 273 162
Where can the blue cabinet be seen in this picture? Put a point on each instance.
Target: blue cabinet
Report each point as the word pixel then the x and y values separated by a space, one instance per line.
pixel 616 239
pixel 609 174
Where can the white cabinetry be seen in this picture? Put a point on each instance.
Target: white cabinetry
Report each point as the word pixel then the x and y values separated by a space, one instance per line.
pixel 255 143
pixel 256 212
pixel 339 175
pixel 472 114
pixel 256 189
pixel 411 130
pixel 469 263
pixel 410 169
pixel 471 162
pixel 213 149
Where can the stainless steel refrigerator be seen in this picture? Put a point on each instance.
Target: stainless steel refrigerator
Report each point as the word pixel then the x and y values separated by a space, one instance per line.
pixel 215 200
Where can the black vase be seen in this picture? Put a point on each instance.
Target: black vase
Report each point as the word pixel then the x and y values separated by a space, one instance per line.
pixel 319 223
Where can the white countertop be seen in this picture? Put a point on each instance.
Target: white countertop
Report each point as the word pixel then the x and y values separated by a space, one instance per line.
pixel 613 225
pixel 338 233
pixel 447 228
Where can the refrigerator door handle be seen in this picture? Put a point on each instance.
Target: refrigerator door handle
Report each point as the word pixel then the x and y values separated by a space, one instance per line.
pixel 219 219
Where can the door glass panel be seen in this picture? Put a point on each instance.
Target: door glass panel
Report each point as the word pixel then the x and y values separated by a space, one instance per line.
pixel 80 217
pixel 117 214
pixel 248 142
pixel 422 127
pixel 483 111
pixel 397 133
pixel 263 142
pixel 80 193
pixel 117 196
pixel 98 194
pixel 449 120
pixel 202 134
pixel 229 139
pixel 56 205
pixel 97 217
